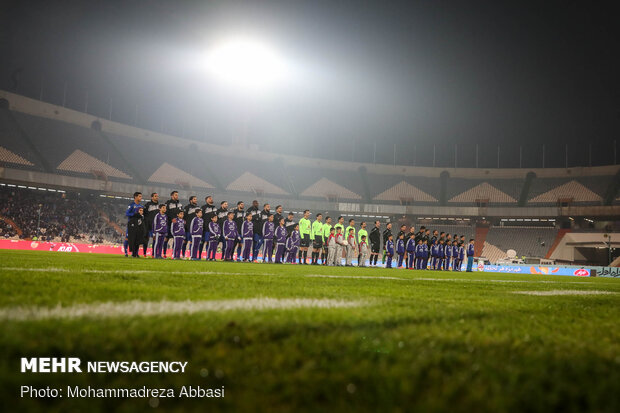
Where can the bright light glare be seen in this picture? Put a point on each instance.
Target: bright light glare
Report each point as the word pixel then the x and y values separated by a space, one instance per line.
pixel 246 64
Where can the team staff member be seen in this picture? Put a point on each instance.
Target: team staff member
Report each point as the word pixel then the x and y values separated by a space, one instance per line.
pixel 317 238
pixel 173 207
pixel 375 243
pixel 305 228
pixel 189 213
pixel 327 226
pixel 151 209
pixel 361 233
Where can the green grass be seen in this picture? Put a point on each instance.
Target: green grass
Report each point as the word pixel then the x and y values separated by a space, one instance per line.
pixel 469 344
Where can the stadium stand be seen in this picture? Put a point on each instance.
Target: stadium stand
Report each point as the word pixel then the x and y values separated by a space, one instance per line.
pixel 404 189
pixel 168 174
pixel 12 141
pixel 60 140
pixel 248 182
pixel 73 144
pixel 7 156
pixel 403 192
pixel 82 162
pixel 497 192
pixel 61 219
pixel 553 190
pixel 324 188
pixel 526 241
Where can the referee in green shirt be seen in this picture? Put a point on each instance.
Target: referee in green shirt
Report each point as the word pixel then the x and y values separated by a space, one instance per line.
pixel 317 238
pixel 339 224
pixel 351 226
pixel 326 227
pixel 305 227
pixel 361 233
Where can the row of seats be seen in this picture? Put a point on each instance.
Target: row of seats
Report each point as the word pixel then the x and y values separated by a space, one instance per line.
pixel 526 241
pixel 75 150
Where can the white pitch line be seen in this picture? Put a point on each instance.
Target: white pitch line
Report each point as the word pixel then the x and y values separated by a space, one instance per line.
pixel 354 277
pixel 55 269
pixel 136 308
pixel 565 292
pixel 439 279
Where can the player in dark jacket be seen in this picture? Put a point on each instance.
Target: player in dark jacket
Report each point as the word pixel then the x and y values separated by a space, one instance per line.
pixel 222 214
pixel 208 210
pixel 239 219
pixel 173 207
pixel 375 243
pixel 386 235
pixel 151 209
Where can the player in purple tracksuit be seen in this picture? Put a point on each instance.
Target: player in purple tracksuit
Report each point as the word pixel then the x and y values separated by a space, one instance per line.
pixel 419 254
pixel 292 244
pixel 269 229
pixel 195 231
pixel 280 241
pixel 410 250
pixel 423 260
pixel 434 254
pixel 214 238
pixel 177 229
pixel 160 230
pixel 448 259
pixel 389 251
pixel 400 249
pixel 247 235
pixel 229 229
pixel 441 254
pixel 455 255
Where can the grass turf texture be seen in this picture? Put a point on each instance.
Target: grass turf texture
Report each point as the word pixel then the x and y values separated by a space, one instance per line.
pixel 469 344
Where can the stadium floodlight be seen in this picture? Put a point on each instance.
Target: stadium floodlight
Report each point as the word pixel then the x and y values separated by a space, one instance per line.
pixel 246 64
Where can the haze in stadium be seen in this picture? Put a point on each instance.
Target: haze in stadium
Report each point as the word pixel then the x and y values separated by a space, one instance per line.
pixel 309 206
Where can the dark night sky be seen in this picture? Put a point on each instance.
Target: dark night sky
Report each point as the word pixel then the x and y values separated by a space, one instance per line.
pixel 417 72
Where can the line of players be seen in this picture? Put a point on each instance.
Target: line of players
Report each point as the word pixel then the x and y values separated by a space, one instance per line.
pixel 255 232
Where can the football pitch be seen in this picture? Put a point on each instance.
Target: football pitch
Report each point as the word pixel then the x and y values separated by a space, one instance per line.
pixel 309 338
